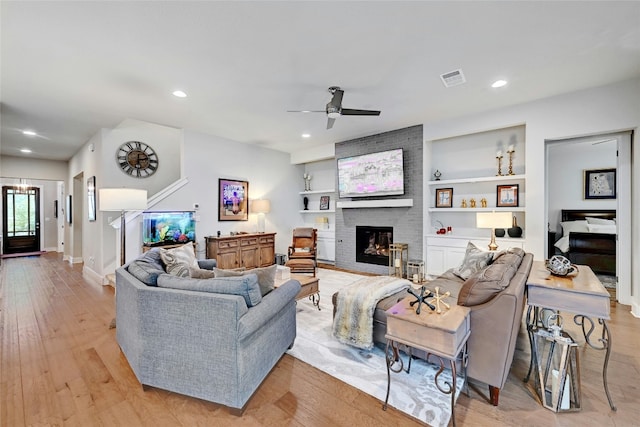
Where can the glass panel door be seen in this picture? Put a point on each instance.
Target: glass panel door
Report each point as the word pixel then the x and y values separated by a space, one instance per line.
pixel 21 219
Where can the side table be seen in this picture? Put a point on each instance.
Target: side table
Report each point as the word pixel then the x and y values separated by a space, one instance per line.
pixel 442 335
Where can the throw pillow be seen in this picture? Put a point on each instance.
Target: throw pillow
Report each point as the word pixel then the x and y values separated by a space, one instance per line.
pixel 201 273
pixel 602 228
pixel 575 226
pixel 147 268
pixel 246 286
pixel 179 260
pixel 475 259
pixel 487 283
pixel 266 276
pixel 600 221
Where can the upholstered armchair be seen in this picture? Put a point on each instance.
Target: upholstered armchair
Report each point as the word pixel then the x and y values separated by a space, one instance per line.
pixel 303 251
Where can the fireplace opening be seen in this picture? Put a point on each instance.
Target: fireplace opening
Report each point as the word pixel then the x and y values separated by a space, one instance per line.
pixel 372 244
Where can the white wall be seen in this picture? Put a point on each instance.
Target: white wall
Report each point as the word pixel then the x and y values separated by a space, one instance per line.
pixel 24 167
pixel 594 111
pixel 566 165
pixel 269 173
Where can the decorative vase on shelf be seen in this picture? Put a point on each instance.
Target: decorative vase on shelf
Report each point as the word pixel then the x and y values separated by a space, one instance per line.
pixel 305 200
pixel 515 231
pixel 499 232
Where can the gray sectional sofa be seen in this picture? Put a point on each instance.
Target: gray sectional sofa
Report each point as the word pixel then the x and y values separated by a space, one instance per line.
pixel 182 335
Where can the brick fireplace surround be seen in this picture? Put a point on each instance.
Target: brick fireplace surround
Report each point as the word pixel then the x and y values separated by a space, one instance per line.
pixel 406 221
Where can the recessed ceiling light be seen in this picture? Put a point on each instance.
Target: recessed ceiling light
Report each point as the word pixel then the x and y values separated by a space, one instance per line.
pixel 25 150
pixel 306 135
pixel 499 83
pixel 179 94
pixel 29 132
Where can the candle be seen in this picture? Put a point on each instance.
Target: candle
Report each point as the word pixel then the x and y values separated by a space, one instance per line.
pixel 397 263
pixel 499 153
pixel 511 149
pixel 415 278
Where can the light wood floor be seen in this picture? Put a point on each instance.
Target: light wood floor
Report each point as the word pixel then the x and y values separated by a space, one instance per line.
pixel 61 365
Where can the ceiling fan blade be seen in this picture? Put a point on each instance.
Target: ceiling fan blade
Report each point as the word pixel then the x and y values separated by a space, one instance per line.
pixel 352 112
pixel 306 111
pixel 330 122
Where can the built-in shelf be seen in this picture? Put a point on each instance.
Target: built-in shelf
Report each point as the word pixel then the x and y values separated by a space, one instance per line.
pixel 330 190
pixel 478 179
pixel 315 211
pixel 388 203
pixel 449 210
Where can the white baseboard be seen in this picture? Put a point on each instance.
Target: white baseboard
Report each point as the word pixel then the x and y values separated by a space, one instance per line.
pixel 51 249
pixel 92 276
pixel 76 260
pixel 635 310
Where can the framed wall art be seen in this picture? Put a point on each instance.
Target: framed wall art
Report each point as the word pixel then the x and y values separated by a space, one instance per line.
pixel 507 196
pixel 91 198
pixel 324 203
pixel 600 184
pixel 233 199
pixel 444 197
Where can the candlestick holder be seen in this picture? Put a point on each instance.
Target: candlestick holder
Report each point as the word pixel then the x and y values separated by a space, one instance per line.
pixel 510 162
pixel 499 165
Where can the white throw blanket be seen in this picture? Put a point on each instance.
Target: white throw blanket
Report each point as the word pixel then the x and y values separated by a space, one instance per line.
pixel 355 304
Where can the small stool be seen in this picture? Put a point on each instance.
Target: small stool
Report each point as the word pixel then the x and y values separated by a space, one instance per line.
pixel 302 265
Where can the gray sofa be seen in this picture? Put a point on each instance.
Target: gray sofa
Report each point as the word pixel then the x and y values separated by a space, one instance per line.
pixel 200 343
pixel 495 295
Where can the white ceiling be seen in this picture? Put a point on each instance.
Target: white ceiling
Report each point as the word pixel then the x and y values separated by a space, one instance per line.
pixel 71 68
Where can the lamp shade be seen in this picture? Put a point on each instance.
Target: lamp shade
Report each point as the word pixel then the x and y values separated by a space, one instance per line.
pixel 122 199
pixel 261 206
pixel 493 219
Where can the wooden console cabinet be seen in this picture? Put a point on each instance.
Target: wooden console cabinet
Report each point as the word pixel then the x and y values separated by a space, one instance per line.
pixel 242 250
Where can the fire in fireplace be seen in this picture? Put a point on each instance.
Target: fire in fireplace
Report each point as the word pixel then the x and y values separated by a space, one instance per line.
pixel 372 244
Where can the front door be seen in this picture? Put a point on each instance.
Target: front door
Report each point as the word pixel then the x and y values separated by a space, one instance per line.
pixel 21 219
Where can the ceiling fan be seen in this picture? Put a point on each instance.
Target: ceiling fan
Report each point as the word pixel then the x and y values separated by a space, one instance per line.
pixel 334 108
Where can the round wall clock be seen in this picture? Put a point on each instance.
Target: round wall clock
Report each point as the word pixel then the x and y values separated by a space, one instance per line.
pixel 137 159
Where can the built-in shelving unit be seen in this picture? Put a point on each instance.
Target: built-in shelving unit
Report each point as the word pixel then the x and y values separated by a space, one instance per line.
pixel 475 180
pixel 464 210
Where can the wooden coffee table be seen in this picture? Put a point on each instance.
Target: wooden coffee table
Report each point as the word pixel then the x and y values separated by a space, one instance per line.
pixel 310 287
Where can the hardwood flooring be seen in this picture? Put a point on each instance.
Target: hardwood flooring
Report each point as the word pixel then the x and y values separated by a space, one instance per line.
pixel 61 365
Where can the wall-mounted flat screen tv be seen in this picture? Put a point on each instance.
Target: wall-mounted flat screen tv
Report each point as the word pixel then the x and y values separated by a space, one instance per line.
pixel 373 174
pixel 168 228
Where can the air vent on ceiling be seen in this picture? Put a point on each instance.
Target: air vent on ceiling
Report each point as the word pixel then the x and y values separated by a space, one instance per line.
pixel 453 78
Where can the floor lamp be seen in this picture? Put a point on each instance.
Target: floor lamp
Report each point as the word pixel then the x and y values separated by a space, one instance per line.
pixel 261 207
pixel 122 200
pixel 493 220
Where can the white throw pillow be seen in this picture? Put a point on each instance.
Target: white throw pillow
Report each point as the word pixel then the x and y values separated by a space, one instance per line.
pixel 562 244
pixel 577 226
pixel 601 221
pixel 601 228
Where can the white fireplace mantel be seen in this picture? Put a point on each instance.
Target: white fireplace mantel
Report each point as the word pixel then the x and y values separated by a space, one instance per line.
pixel 388 203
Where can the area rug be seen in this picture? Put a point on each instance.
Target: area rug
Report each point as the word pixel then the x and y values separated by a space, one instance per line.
pixel 414 394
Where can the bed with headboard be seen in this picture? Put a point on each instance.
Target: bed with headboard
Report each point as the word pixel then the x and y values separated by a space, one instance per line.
pixel 589 238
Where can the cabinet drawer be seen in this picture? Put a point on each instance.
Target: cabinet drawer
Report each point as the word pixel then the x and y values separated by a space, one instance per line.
pixel 225 244
pixel 248 241
pixel 266 240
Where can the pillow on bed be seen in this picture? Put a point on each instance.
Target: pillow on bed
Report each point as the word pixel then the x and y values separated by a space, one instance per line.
pixel 577 226
pixel 563 244
pixel 600 221
pixel 601 228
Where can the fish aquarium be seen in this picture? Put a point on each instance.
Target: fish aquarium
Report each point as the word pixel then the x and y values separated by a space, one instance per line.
pixel 168 228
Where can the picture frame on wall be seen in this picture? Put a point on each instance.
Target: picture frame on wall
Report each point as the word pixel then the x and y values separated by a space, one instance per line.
pixel 233 200
pixel 324 203
pixel 91 198
pixel 600 184
pixel 507 196
pixel 444 197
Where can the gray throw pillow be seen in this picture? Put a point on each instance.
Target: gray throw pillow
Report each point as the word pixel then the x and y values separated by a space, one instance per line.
pixel 475 259
pixel 179 260
pixel 245 286
pixel 147 268
pixel 266 276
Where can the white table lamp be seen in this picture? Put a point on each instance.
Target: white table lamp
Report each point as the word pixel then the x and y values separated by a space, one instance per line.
pixel 121 200
pixel 493 220
pixel 261 207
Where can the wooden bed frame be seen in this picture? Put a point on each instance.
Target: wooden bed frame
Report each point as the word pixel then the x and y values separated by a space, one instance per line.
pixel 597 250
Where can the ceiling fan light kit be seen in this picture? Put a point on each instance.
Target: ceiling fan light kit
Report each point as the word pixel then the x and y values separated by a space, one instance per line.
pixel 334 108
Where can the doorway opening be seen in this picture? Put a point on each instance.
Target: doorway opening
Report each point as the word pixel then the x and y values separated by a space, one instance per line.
pixel 20 219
